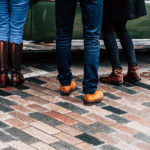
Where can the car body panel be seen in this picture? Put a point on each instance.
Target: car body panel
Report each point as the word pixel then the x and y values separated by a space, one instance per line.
pixel 40 23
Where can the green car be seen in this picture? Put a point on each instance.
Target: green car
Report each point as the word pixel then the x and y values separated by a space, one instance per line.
pixel 40 23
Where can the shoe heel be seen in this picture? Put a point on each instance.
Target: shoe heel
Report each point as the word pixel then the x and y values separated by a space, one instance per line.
pixel 65 94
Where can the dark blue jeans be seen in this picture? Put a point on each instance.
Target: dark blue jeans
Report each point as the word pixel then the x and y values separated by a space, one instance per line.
pixel 119 27
pixel 92 20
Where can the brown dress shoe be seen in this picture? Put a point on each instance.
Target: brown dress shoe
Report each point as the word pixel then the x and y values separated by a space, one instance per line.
pixel 116 77
pixel 4 80
pixel 16 55
pixel 133 74
pixel 90 99
pixel 65 90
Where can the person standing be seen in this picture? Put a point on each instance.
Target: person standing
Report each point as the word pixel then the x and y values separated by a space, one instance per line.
pixel 12 19
pixel 116 15
pixel 92 20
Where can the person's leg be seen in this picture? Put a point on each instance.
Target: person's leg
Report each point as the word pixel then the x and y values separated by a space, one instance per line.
pixel 18 11
pixel 126 41
pixel 4 38
pixel 4 20
pixel 111 44
pixel 116 77
pixel 92 21
pixel 65 13
pixel 133 74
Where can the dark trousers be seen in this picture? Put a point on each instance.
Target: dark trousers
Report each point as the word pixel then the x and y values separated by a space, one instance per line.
pixel 92 21
pixel 119 27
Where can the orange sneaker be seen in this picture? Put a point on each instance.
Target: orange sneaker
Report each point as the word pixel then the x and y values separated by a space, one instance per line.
pixel 90 99
pixel 65 90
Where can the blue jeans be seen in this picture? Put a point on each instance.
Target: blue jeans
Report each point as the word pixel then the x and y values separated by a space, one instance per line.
pixel 12 19
pixel 92 21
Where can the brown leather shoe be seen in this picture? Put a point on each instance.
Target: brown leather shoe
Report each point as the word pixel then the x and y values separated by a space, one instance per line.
pixel 90 99
pixel 16 55
pixel 4 80
pixel 133 74
pixel 116 77
pixel 65 90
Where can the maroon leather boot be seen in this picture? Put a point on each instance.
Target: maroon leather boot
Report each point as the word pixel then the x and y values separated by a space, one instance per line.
pixel 4 80
pixel 133 74
pixel 116 77
pixel 16 55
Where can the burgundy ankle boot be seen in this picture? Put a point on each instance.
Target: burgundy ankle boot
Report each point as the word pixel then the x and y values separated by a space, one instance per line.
pixel 4 80
pixel 133 74
pixel 116 77
pixel 16 54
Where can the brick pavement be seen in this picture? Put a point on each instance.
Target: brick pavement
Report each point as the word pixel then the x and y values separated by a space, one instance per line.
pixel 35 117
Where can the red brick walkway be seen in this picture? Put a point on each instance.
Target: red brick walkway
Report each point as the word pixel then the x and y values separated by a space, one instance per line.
pixel 35 117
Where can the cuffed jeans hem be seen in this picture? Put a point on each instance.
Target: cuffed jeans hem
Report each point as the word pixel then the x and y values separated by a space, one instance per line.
pixel 64 83
pixel 116 66
pixel 4 39
pixel 16 41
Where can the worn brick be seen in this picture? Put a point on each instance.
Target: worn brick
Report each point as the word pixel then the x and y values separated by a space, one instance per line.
pixel 37 100
pixel 20 145
pixel 34 92
pixel 124 128
pixel 42 146
pixel 114 110
pixel 101 119
pixel 85 146
pixel 24 137
pixel 101 127
pixel 45 119
pixel 143 137
pixel 22 117
pixel 40 135
pixel 53 99
pixel 109 147
pixel 63 146
pixel 138 119
pixel 68 129
pixel 118 118
pixel 5 137
pixel 57 108
pixel 3 145
pixel 17 123
pixel 18 99
pixel 80 118
pixel 125 137
pixel 61 117
pixel 37 107
pixel 89 139
pixel 67 138
pixel 143 146
pixel 72 107
pixel 139 127
pixel 21 108
pixel 107 138
pixel 44 127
